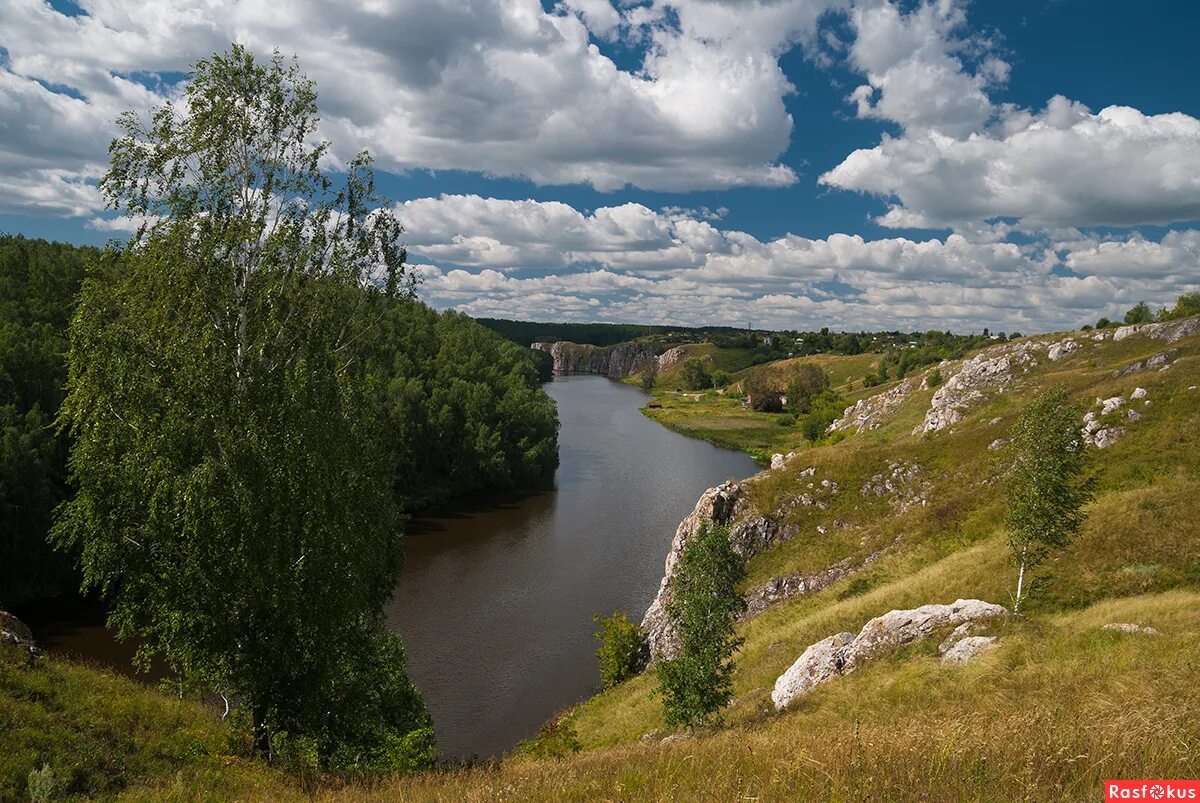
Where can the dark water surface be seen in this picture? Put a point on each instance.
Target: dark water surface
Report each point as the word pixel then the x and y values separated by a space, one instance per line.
pixel 496 602
pixel 496 605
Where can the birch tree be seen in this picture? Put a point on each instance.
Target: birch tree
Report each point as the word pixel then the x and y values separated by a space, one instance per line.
pixel 1046 487
pixel 233 504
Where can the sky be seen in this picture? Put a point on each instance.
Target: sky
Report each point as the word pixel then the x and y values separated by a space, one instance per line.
pixel 790 164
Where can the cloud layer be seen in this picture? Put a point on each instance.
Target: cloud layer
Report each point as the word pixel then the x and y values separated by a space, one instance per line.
pixel 963 161
pixel 630 263
pixel 672 95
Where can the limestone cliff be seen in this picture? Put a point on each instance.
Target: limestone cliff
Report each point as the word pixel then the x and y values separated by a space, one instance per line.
pixel 615 362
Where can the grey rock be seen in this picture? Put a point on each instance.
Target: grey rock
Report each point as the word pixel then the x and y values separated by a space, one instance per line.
pixel 872 412
pixel 615 362
pixel 1129 627
pixel 842 653
pixel 1159 361
pixel 1138 393
pixel 15 632
pixel 1169 331
pixel 1062 349
pixel 749 532
pixel 967 648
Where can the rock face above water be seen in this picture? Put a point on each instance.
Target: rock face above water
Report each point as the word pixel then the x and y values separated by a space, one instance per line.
pixel 750 533
pixel 13 631
pixel 615 362
pixel 843 653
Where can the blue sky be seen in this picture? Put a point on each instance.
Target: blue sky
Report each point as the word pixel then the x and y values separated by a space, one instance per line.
pixel 799 163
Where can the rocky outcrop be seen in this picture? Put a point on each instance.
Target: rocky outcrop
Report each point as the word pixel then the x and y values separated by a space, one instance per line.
pixel 870 413
pixel 1156 362
pixel 671 356
pixel 749 532
pixel 14 632
pixel 778 589
pixel 615 362
pixel 1059 350
pixel 843 653
pixel 990 370
pixel 1168 332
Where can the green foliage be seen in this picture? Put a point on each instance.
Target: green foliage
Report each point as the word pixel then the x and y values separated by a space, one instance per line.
pixel 1139 313
pixel 462 408
pixel 720 378
pixel 762 396
pixel 44 786
pixel 697 684
pixel 934 378
pixel 38 281
pixel 649 374
pixel 233 501
pixel 1046 489
pixel 556 739
pixel 1104 323
pixel 808 381
pixel 825 408
pixel 622 650
pixel 694 374
pixel 786 420
pixel 1187 305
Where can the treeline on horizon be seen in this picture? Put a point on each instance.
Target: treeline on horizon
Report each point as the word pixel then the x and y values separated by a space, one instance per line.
pixel 459 409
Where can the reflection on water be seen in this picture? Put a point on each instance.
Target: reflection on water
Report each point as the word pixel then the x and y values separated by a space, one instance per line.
pixel 496 603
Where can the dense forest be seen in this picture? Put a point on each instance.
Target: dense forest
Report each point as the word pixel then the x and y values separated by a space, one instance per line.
pixel 38 281
pixel 460 409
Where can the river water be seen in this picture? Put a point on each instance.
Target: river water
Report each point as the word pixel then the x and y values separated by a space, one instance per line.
pixel 495 602
pixel 496 606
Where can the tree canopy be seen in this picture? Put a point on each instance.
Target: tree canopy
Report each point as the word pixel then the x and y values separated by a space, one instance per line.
pixel 234 502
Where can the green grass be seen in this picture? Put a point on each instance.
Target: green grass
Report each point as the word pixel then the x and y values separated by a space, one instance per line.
pixel 103 735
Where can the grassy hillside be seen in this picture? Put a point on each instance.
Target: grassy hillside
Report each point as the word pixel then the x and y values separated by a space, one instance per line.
pixel 1058 707
pixel 718 415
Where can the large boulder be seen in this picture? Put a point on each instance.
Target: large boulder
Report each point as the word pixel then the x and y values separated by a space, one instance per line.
pixel 841 654
pixel 14 632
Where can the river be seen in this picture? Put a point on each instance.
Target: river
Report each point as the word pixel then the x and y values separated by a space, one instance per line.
pixel 496 606
pixel 495 602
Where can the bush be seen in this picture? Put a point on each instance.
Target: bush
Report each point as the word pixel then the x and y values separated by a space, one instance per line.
pixel 1139 313
pixel 1186 306
pixel 786 421
pixel 649 374
pixel 827 407
pixel 763 398
pixel 694 375
pixel 935 378
pixel 622 650
pixel 1104 323
pixel 556 739
pixel 808 381
pixel 719 378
